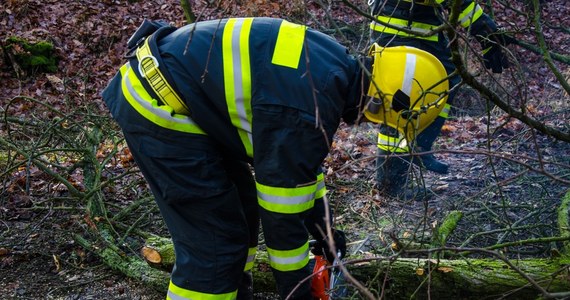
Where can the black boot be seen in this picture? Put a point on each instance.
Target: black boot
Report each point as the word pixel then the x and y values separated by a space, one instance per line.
pixel 245 289
pixel 424 143
pixel 392 178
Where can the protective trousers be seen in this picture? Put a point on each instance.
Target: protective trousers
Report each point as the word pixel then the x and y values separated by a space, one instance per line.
pixel 287 218
pixel 208 203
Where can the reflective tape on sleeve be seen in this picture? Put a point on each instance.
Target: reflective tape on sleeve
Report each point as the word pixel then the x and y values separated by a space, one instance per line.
pixel 422 28
pixel 445 111
pixel 470 14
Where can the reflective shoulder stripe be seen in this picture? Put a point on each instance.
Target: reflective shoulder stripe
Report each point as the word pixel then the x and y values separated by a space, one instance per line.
pixel 286 200
pixel 392 144
pixel 250 258
pixel 321 186
pixel 289 45
pixel 289 260
pixel 148 68
pixel 470 14
pixel 178 293
pixel 401 23
pixel 237 77
pixel 445 111
pixel 142 102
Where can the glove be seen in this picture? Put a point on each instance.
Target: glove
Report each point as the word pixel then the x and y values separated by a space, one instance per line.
pixel 321 247
pixel 493 56
pixel 492 41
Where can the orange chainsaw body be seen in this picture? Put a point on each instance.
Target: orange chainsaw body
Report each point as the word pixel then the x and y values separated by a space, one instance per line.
pixel 320 283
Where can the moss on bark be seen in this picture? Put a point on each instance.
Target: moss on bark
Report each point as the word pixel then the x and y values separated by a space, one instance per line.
pixel 30 57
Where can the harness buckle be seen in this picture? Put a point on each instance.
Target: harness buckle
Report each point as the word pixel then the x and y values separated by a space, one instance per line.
pixel 146 71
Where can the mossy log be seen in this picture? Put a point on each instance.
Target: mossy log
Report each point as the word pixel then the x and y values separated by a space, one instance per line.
pixel 409 278
pixel 446 228
pixel 159 253
pixel 412 278
pixel 563 224
pixel 401 278
pixel 130 266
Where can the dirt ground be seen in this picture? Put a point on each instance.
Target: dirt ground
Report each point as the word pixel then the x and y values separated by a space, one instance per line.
pixel 496 177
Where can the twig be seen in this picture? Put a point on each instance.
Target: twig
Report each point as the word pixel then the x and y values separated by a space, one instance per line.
pixel 545 54
pixel 481 233
pixel 488 93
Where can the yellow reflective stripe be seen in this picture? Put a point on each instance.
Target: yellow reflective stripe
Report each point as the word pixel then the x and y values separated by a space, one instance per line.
pixel 142 102
pixel 289 260
pixel 178 293
pixel 123 69
pixel 148 67
pixel 470 14
pixel 405 24
pixel 321 186
pixel 445 111
pixel 392 144
pixel 289 45
pixel 286 200
pixel 237 77
pixel 250 258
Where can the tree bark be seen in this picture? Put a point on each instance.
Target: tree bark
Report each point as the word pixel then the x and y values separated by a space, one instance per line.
pixel 158 252
pixel 406 278
pixel 409 278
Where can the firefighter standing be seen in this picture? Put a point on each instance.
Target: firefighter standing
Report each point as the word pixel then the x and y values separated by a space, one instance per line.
pixel 422 16
pixel 201 104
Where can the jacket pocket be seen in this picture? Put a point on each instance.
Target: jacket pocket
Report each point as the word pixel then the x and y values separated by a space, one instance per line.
pixel 184 171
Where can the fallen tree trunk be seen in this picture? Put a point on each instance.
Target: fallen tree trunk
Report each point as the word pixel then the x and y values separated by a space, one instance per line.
pixel 409 278
pixel 394 277
pixel 130 266
pixel 158 252
pixel 405 278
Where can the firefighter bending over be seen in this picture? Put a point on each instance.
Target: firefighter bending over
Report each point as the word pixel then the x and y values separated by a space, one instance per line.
pixel 201 104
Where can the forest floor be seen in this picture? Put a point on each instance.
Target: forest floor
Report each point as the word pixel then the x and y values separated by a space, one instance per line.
pixel 502 174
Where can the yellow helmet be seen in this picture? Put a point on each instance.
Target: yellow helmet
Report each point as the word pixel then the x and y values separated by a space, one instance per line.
pixel 408 89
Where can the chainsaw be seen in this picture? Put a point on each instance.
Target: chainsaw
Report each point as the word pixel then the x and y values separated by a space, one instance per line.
pixel 327 282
